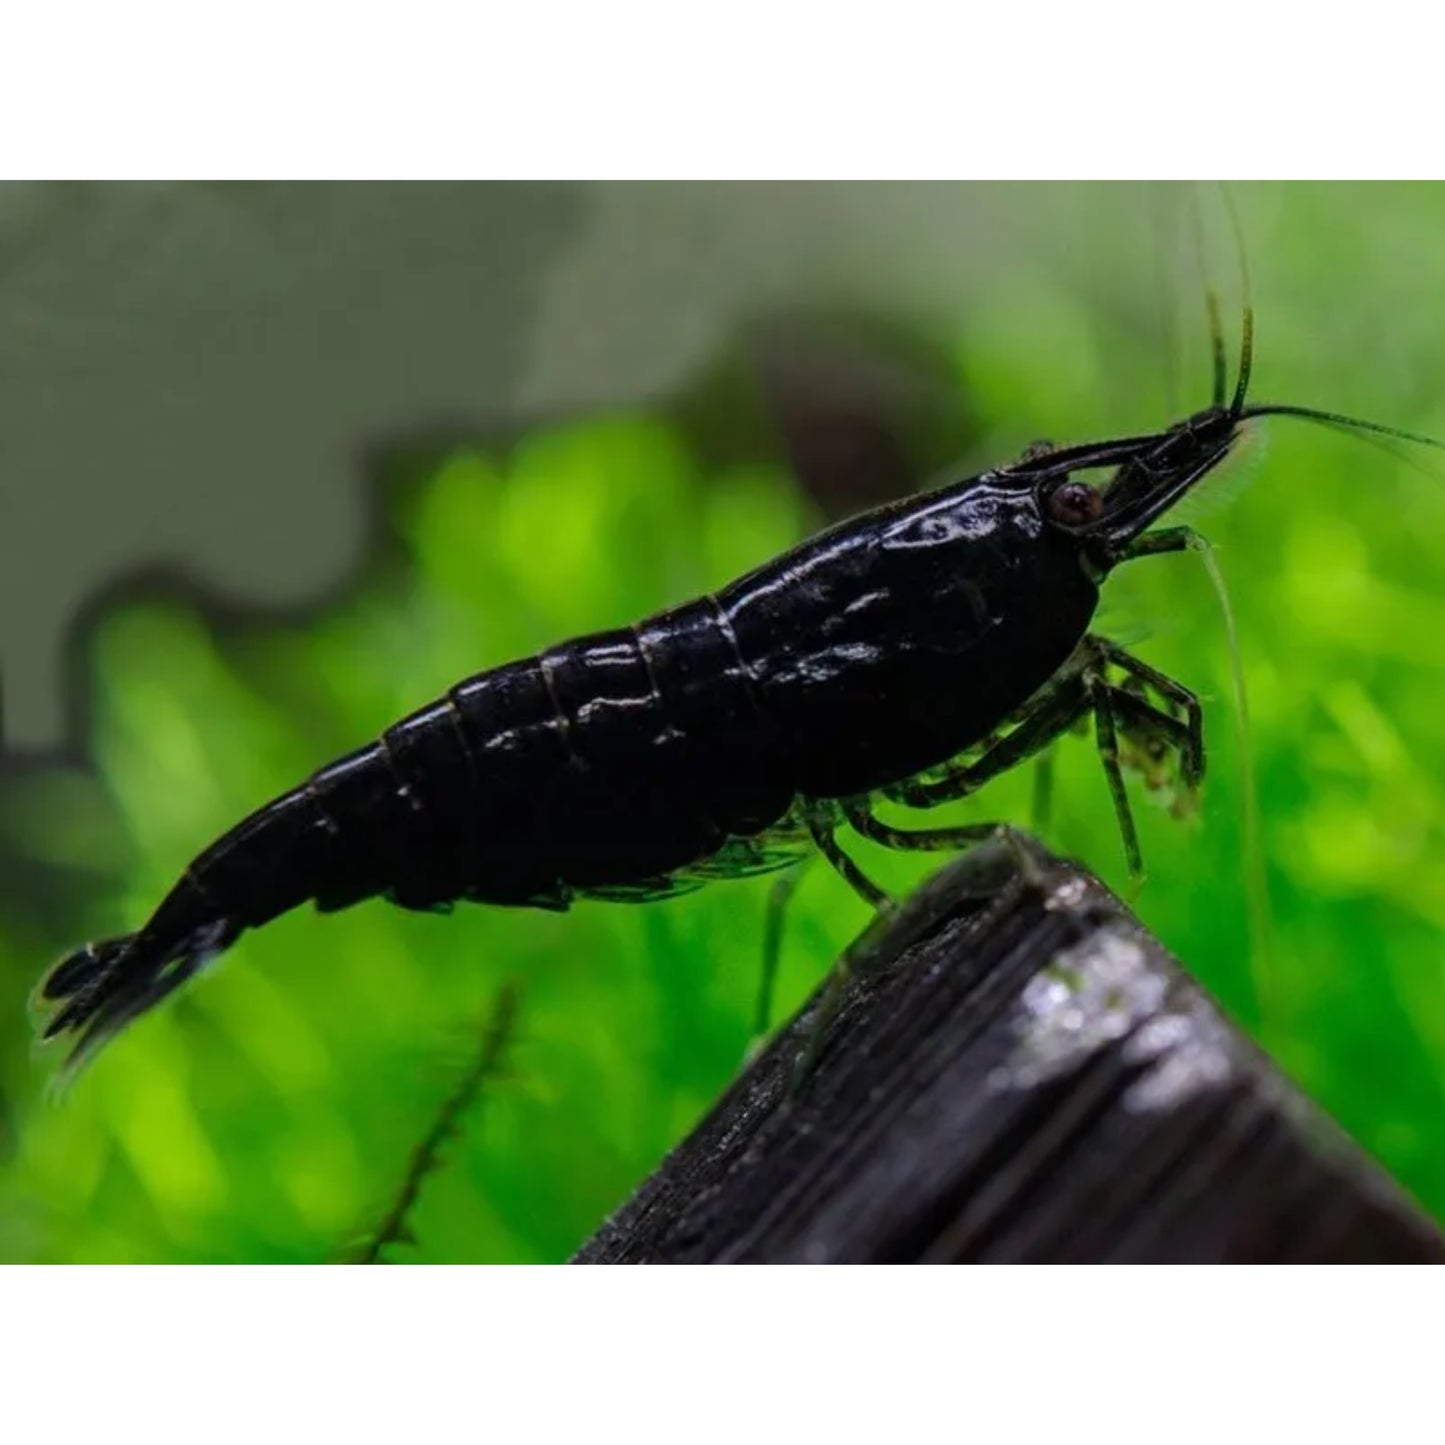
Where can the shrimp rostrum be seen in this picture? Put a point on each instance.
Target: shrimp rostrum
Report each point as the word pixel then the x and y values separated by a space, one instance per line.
pixel 908 654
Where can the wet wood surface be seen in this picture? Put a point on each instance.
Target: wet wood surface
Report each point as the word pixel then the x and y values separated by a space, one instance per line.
pixel 1019 1073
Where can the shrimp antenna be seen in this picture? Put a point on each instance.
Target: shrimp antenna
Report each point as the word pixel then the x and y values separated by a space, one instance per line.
pixel 1325 418
pixel 1347 423
pixel 1246 360
pixel 1211 300
pixel 1216 342
pixel 1373 432
pixel 1246 340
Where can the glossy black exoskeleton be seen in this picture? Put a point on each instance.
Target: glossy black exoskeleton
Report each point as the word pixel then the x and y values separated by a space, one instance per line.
pixel 735 733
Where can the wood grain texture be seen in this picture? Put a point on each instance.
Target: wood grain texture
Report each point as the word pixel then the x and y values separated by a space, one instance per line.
pixel 1022 1073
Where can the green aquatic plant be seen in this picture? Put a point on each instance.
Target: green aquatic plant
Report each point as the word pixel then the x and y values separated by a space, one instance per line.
pixel 262 1114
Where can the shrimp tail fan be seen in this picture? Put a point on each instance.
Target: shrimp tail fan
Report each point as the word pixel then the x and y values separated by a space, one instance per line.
pixel 91 994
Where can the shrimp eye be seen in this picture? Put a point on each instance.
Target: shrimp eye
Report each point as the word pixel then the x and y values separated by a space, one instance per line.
pixel 1074 504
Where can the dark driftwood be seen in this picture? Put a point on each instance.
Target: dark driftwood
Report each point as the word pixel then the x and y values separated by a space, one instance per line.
pixel 1030 1077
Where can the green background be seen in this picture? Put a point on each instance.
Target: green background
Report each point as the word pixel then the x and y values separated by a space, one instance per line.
pixel 268 1112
